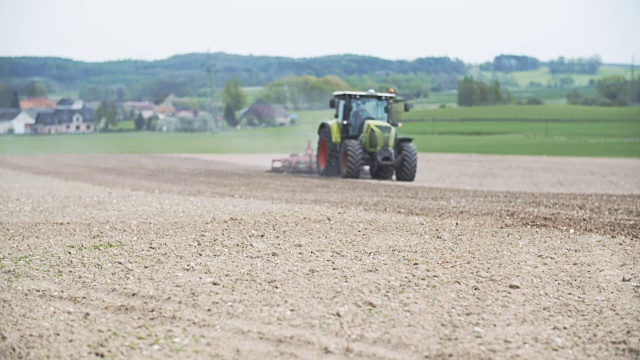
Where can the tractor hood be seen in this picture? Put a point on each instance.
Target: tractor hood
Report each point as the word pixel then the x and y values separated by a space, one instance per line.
pixel 378 135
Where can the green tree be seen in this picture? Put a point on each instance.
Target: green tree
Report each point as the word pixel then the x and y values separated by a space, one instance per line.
pixel 230 116
pixel 15 100
pixel 5 95
pixel 152 122
pixel 107 112
pixel 496 93
pixel 140 122
pixel 474 93
pixel 485 93
pixel 233 95
pixel 233 99
pixel 614 88
pixel 468 92
pixel 574 97
pixel 36 89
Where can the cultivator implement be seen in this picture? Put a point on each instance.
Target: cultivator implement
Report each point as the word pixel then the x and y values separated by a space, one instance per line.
pixel 296 163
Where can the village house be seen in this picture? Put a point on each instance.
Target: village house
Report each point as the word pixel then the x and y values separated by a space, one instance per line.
pixel 165 110
pixel 69 116
pixel 133 108
pixel 265 114
pixel 15 121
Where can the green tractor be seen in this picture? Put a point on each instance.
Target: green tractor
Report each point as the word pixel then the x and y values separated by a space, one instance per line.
pixel 363 133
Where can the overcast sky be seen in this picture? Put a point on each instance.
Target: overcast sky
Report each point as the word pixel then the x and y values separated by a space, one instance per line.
pixel 474 31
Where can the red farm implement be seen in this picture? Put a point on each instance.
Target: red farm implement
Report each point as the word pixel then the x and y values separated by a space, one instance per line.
pixel 296 163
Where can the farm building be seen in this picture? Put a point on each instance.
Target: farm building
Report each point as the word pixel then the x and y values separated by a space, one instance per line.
pixel 265 114
pixel 15 121
pixel 64 121
pixel 133 108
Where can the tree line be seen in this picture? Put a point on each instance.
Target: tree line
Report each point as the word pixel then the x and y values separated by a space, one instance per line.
pixel 561 65
pixel 511 63
pixel 183 74
pixel 477 93
pixel 575 66
pixel 612 91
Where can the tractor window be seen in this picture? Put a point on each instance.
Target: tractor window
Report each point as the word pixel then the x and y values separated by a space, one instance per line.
pixel 340 109
pixel 366 109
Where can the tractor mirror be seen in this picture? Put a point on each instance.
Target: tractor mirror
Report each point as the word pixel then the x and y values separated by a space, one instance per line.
pixel 332 103
pixel 406 107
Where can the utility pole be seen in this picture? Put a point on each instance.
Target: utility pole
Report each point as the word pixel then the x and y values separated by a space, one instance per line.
pixel 209 70
pixel 634 86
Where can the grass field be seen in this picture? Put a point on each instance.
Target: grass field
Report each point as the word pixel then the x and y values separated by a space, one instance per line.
pixel 548 130
pixel 543 76
pixel 528 130
pixel 513 112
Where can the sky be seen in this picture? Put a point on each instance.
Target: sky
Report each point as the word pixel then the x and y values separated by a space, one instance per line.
pixel 473 31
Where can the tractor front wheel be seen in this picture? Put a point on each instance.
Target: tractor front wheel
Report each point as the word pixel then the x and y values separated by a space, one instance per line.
pixel 406 170
pixel 351 159
pixel 327 154
pixel 382 172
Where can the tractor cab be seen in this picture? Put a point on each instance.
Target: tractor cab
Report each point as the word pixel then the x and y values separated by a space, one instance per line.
pixel 353 108
pixel 363 135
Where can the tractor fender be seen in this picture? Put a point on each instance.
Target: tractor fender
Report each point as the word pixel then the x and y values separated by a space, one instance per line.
pixel 334 127
pixel 403 140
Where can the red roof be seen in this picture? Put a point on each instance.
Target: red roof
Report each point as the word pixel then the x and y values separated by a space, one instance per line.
pixel 166 110
pixel 37 103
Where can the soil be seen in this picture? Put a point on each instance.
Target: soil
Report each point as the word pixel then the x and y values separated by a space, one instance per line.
pixel 200 256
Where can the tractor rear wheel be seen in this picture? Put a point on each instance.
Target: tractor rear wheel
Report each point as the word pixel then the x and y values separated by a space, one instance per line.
pixel 351 159
pixel 406 170
pixel 383 173
pixel 327 154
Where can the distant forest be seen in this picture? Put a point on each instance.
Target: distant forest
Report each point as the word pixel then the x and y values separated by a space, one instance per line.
pixel 186 75
pixel 192 75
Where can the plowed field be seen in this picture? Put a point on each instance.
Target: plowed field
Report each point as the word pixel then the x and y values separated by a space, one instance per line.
pixel 144 256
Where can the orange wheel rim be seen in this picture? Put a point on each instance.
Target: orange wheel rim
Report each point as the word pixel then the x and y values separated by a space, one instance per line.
pixel 322 154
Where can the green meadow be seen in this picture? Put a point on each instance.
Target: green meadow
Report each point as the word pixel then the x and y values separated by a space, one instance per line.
pixel 544 76
pixel 554 130
pixel 519 112
pixel 527 130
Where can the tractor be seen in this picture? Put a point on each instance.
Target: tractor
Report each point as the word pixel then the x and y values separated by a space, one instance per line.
pixel 362 134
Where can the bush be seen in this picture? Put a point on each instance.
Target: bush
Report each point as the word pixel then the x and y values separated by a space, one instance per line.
pixel 602 102
pixel 588 101
pixel 534 101
pixel 614 88
pixel 621 102
pixel 574 97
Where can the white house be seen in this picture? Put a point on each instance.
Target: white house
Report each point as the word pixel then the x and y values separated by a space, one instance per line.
pixel 15 121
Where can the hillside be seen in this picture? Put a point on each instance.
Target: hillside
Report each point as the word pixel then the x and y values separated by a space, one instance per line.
pixel 253 70
pixel 188 76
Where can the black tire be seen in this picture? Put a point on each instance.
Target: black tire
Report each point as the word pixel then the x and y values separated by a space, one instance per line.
pixel 406 170
pixel 351 159
pixel 327 154
pixel 383 173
